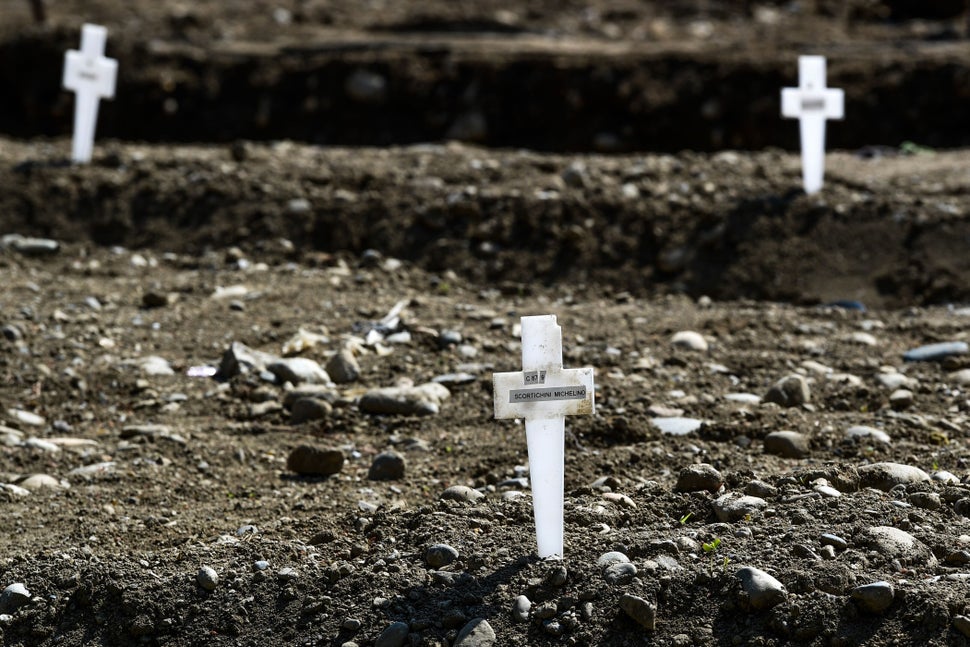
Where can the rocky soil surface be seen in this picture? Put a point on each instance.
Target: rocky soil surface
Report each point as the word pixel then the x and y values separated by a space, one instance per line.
pixel 245 383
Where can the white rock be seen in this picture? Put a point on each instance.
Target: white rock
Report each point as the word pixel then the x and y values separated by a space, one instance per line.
pixel 762 591
pixel 676 426
pixel 26 417
pixel 898 544
pixel 298 370
pixel 690 340
pixel 36 482
pixel 734 506
pixel 886 476
pixel 868 433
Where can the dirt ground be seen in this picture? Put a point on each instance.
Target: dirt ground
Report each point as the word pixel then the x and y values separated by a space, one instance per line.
pixel 153 493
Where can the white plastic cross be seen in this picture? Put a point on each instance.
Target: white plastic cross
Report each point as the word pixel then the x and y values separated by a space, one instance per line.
pixel 543 393
pixel 92 77
pixel 812 103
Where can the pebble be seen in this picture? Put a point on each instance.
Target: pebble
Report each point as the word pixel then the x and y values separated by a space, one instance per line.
pixel 641 611
pixel 925 500
pixel 462 493
pixel 309 460
pixel 298 370
pixel 240 358
pixel 743 398
pixel 13 597
pixel 895 380
pixel 901 399
pixel 440 555
pixel 29 246
pixel 962 624
pixel 863 338
pixel 621 573
pixel 760 489
pixel 343 367
pixel 886 476
pixel 699 477
pixel 316 391
pixel 933 352
pixel 422 400
pixel 960 377
pixel 763 591
pixel 288 574
pixel 454 379
pixel 393 635
pixel 387 466
pixel 833 540
pixel 675 426
pixel 609 559
pixel 789 391
pixel 690 340
pixel 36 482
pixel 449 338
pixel 26 418
pixel 309 409
pixel 152 365
pixel 207 578
pixel 734 507
pixel 898 544
pixel 520 609
pixel 875 597
pixel 477 633
pixel 869 433
pixel 787 444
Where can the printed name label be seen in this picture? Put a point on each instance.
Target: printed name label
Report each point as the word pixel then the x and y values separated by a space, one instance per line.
pixel 548 394
pixel 813 104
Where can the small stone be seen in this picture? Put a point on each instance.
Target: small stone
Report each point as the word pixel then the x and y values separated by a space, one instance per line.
pixel 699 477
pixel 545 610
pixel 462 493
pixel 520 609
pixel 675 426
pixel 643 612
pixel 790 391
pixel 886 476
pixel 26 418
pixel 863 432
pixel 207 578
pixel 734 507
pixel 477 633
pixel 609 559
pixel 875 597
pixel 422 400
pixel 30 246
pixel 962 624
pixel 622 573
pixel 925 500
pixel 449 338
pixel 898 544
pixel 37 482
pixel 154 299
pixel 343 367
pixel 13 597
pixel 309 460
pixel 690 340
pixel 762 590
pixel 440 555
pixel 933 352
pixel 288 574
pixel 901 399
pixel 298 370
pixel 958 558
pixel 309 409
pixel 387 466
pixel 961 377
pixel 787 444
pixel 393 635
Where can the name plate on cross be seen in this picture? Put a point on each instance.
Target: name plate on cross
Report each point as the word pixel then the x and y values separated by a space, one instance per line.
pixel 542 394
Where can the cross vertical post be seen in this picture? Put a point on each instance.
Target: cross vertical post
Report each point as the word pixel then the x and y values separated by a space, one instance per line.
pixel 812 104
pixel 91 76
pixel 544 393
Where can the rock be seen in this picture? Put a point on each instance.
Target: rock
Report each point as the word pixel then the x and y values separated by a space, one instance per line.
pixel 298 370
pixel 393 635
pixel 901 399
pixel 734 507
pixel 30 246
pixel 743 398
pixel 689 340
pixel 790 391
pixel 894 543
pixel 643 612
pixel 13 597
pixel 760 489
pixel 868 433
pixel 155 299
pixel 925 500
pixel 454 379
pixel 886 476
pixel 315 391
pixel 477 633
pixel 836 542
pixel 933 352
pixel 309 460
pixel 425 399
pixel 26 418
pixel 387 466
pixel 366 86
pixel 240 358
pixel 449 338
pixel 609 559
pixel 151 365
pixel 308 410
pixel 962 624
pixel 762 591
pixel 343 367
pixel 695 478
pixel 462 493
pixel 440 555
pixel 37 482
pixel 787 444
pixel 207 578
pixel 895 380
pixel 520 609
pixel 961 377
pixel 875 597
pixel 676 426
pixel 620 573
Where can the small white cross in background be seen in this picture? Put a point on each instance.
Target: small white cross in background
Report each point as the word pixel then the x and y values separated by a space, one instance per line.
pixel 543 393
pixel 812 103
pixel 92 77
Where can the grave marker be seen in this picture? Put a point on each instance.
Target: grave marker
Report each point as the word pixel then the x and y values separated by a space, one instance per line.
pixel 543 393
pixel 812 103
pixel 91 76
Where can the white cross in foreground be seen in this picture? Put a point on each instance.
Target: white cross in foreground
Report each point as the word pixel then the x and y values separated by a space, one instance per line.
pixel 812 103
pixel 92 77
pixel 543 393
